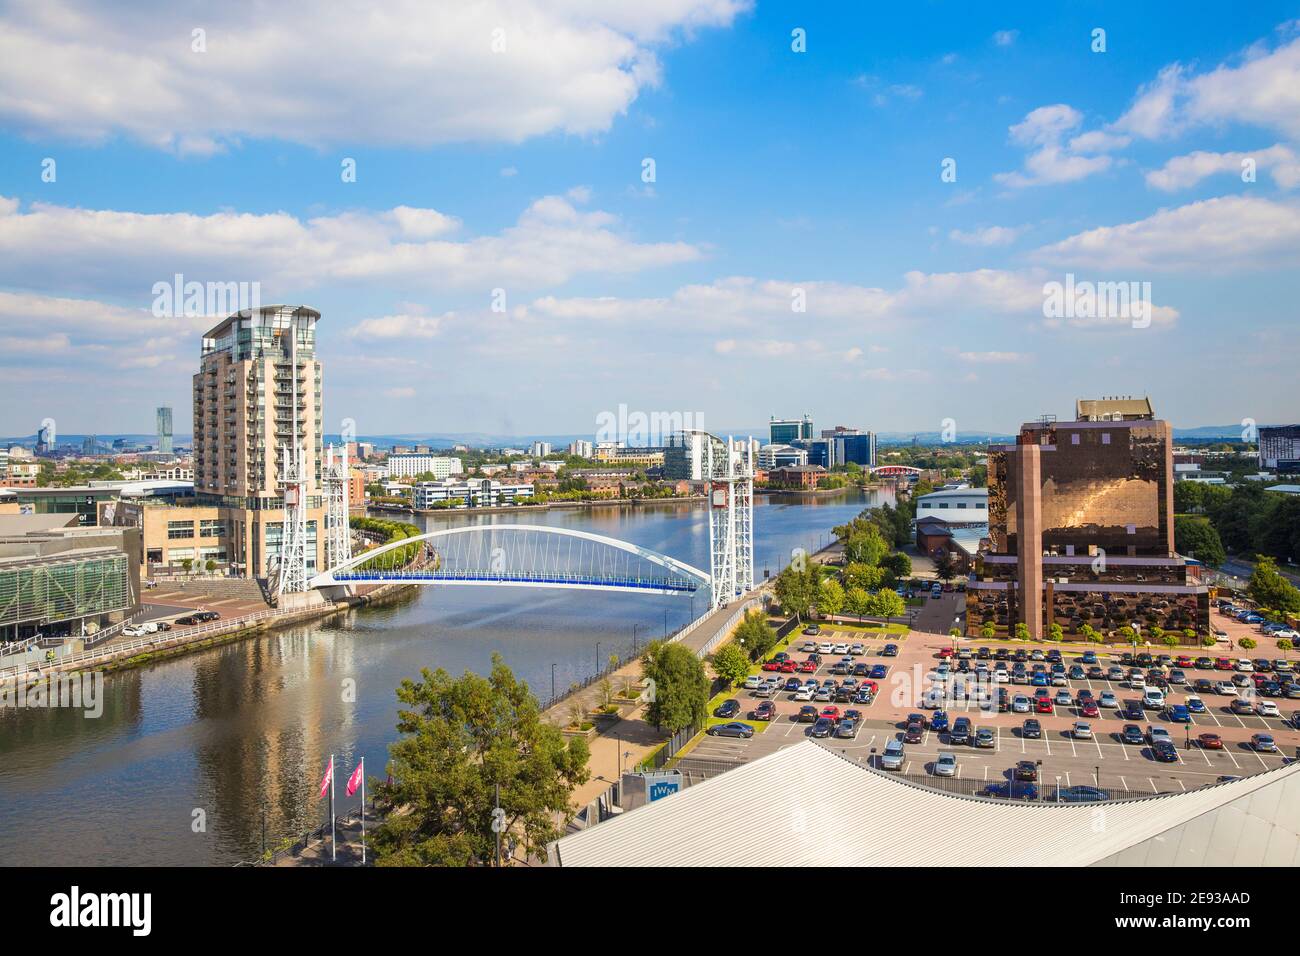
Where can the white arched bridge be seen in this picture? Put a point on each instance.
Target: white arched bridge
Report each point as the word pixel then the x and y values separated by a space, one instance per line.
pixel 516 555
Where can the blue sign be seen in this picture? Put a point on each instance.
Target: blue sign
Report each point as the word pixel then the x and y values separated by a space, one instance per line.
pixel 663 788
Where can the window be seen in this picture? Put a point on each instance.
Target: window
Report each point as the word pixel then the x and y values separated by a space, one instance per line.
pixel 1074 438
pixel 180 529
pixel 1105 438
pixel 214 528
pixel 961 504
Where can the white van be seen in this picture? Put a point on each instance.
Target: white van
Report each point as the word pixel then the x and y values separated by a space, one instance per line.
pixel 1153 698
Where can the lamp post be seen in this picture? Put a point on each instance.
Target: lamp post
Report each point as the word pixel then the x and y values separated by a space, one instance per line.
pixel 552 682
pixel 598 657
pixel 635 628
pixel 1058 788
pixel 665 623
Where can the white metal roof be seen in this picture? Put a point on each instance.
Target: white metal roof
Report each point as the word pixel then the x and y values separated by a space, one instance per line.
pixel 807 806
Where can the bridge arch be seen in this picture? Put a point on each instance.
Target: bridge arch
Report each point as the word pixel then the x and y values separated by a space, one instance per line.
pixel 527 555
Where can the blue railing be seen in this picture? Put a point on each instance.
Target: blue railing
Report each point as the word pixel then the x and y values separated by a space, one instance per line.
pixel 522 577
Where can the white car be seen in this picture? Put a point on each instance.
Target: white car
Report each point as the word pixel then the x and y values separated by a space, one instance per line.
pixel 1224 687
pixel 804 693
pixel 1001 676
pixel 1157 734
pixel 808 646
pixel 134 630
pixel 1244 666
pixel 753 682
pixel 840 649
pixel 857 649
pixel 826 647
pixel 1082 731
pixel 1137 682
pixel 1266 708
pixel 1107 699
pixel 1288 633
pixel 946 764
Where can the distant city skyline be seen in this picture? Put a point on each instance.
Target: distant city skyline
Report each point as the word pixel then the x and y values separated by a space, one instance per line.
pixel 511 243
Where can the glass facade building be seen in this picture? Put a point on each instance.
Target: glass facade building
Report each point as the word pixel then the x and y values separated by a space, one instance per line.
pixel 1081 532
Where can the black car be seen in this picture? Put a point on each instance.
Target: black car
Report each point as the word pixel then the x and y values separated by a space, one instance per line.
pixel 889 650
pixel 1004 700
pixel 163 626
pixel 823 728
pixel 727 709
pixel 1032 729
pixel 1001 654
pixel 1026 770
pixel 731 730
pixel 1133 710
pixel 1131 734
pixel 960 733
pixel 983 653
pixel 1164 751
pixel 807 714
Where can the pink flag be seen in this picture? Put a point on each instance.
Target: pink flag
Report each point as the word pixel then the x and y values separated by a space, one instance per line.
pixel 329 776
pixel 354 781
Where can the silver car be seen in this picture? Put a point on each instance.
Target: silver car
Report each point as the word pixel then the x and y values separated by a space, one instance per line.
pixel 946 764
pixel 892 758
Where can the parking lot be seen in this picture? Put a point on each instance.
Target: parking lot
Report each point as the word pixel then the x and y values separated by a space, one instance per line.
pixel 1102 760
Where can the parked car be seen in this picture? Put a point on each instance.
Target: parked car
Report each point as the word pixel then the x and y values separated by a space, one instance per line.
pixel 1180 714
pixel 1264 743
pixel 893 756
pixel 961 731
pixel 1266 708
pixel 889 650
pixel 730 730
pixel 824 727
pixel 765 711
pixel 1026 770
pixel 914 733
pixel 846 729
pixel 1209 741
pixel 1082 730
pixel 1081 794
pixel 1031 729
pixel 727 709
pixel 1012 790
pixel 939 721
pixel 985 738
pixel 1132 734
pixel 1164 751
pixel 945 765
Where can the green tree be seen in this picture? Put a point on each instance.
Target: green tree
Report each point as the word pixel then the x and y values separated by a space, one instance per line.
pixel 897 565
pixel 755 635
pixel 865 544
pixel 731 663
pixel 857 601
pixel 1247 643
pixel 865 576
pixel 1022 631
pixel 796 588
pixel 944 565
pixel 461 739
pixel 988 631
pixel 1268 588
pixel 1197 537
pixel 681 688
pixel 1055 632
pixel 830 597
pixel 887 604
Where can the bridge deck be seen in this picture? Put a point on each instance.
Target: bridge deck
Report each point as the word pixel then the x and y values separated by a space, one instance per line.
pixel 520 577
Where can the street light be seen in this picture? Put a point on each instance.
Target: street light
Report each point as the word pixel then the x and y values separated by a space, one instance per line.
pixel 635 628
pixel 1058 788
pixel 598 657
pixel 552 682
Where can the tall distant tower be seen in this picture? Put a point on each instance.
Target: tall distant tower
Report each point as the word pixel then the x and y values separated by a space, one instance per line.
pixel 164 418
pixel 257 437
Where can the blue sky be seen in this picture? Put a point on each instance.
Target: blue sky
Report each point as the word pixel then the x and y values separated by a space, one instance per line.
pixel 779 175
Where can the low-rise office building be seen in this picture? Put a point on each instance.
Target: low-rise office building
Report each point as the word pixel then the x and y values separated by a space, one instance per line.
pixel 409 466
pixel 474 493
pixel 58 579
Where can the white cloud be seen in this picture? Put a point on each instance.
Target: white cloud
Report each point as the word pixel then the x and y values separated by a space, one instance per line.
pixel 1181 172
pixel 125 253
pixel 1051 162
pixel 1005 37
pixel 407 73
pixel 400 392
pixel 990 236
pixel 403 326
pixel 1262 90
pixel 1229 234
pixel 996 358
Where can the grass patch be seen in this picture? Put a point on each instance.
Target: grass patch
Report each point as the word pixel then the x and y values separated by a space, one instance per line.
pixel 898 630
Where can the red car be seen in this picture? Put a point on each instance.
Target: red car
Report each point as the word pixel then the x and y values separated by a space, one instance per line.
pixel 831 713
pixel 808 667
pixel 871 686
pixel 788 667
pixel 765 711
pixel 1090 709
pixel 1222 664
pixel 1210 741
pixel 914 733
pixel 1044 705
pixel 1183 662
pixel 946 652
pixel 771 666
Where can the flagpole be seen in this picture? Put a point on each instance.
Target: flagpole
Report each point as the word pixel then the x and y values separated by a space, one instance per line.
pixel 363 811
pixel 333 840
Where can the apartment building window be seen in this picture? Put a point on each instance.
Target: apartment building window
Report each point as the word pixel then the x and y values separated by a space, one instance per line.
pixel 180 529
pixel 212 529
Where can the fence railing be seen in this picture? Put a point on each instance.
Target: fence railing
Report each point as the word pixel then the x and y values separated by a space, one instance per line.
pixel 670 748
pixel 159 641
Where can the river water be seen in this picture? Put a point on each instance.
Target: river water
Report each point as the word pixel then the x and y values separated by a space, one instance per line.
pixel 192 757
